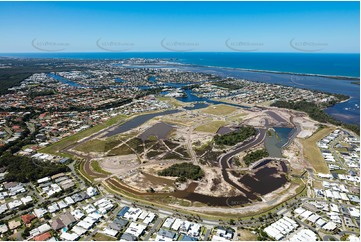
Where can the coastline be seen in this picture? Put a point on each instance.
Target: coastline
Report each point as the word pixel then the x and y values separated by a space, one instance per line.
pixel 171 61
pixel 348 78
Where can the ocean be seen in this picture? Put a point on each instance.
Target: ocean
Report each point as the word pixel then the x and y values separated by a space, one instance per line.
pixel 306 63
pixel 282 65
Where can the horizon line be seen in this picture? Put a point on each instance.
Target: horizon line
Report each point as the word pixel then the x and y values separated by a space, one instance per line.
pixel 183 52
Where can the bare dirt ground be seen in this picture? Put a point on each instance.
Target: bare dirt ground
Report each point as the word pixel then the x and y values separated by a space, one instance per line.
pixel 140 181
pixel 119 165
pixel 253 208
pixel 255 119
pixel 307 125
pixel 134 173
pixel 214 185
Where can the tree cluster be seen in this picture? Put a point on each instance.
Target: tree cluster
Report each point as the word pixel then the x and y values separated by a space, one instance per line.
pixel 235 137
pixel 316 113
pixel 183 170
pixel 25 169
pixel 255 156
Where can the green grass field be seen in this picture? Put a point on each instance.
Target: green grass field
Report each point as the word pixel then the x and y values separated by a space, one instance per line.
pixel 94 145
pixel 121 150
pixel 103 237
pixel 97 145
pixel 312 153
pixel 220 109
pixel 210 127
pixel 58 146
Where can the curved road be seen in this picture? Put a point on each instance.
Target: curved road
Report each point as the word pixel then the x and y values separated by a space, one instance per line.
pixel 223 160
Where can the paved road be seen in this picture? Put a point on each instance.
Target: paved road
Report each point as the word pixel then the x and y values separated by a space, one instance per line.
pixel 277 117
pixel 153 229
pixel 206 235
pixel 223 160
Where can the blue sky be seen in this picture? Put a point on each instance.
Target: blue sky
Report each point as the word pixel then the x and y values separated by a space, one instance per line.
pixel 182 26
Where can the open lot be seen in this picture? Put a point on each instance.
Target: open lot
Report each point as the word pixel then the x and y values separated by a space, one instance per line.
pixel 219 109
pixel 210 127
pixel 62 144
pixel 311 151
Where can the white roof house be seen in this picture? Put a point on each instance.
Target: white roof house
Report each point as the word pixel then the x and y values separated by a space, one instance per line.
pixel 78 214
pixel 110 232
pixel 26 200
pixel 150 217
pixel 14 204
pixel 69 200
pixel 84 225
pixel 329 226
pixel 354 212
pixel 304 235
pixel 177 223
pixel 91 191
pixel 320 222
pixel 78 230
pixel 299 210
pixel 69 236
pixel 39 212
pixel 194 230
pixel 143 215
pixel 43 180
pixel 306 214
pixel 133 214
pixel 168 222
pixel 135 229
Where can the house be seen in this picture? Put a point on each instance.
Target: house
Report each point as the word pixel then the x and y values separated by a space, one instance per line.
pixel 110 232
pixel 150 217
pixel 42 237
pixel 41 229
pixel 14 204
pixel 168 222
pixel 91 191
pixel 62 204
pixel 78 214
pixel 78 230
pixel 330 226
pixel 57 224
pixel 58 175
pixel 27 218
pixel 188 238
pixel 3 228
pixel 26 200
pixel 69 236
pixel 123 211
pixel 43 180
pixel 39 212
pixel 136 229
pixel 69 200
pixel 128 237
pixel 165 233
pixel 118 224
pixel 14 224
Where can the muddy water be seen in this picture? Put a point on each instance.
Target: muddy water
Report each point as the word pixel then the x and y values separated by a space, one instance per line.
pixel 264 181
pixel 161 130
